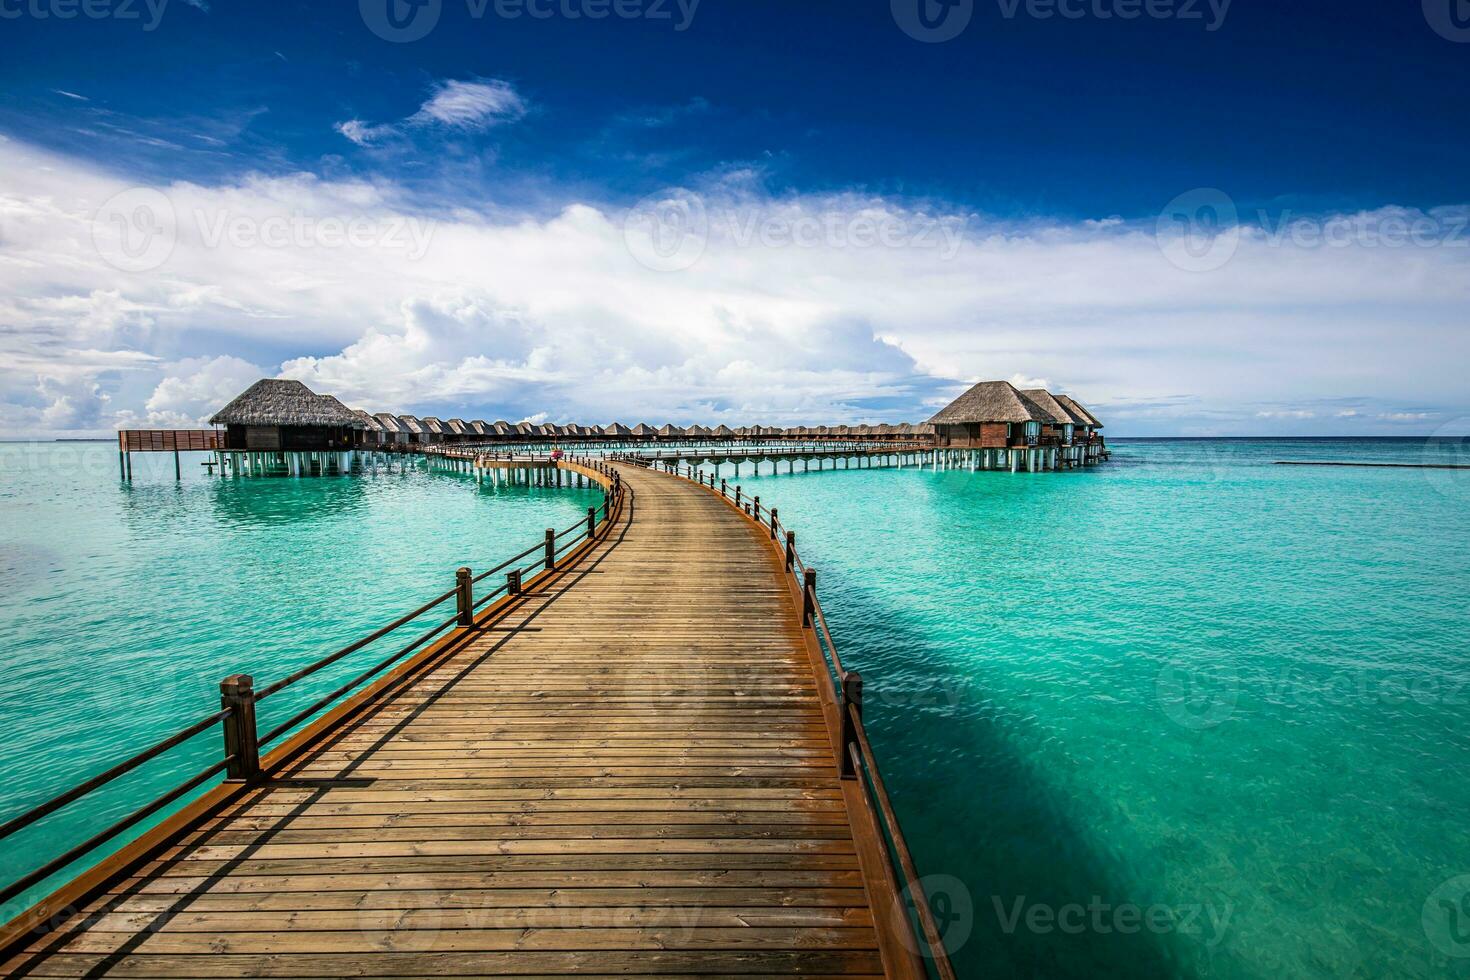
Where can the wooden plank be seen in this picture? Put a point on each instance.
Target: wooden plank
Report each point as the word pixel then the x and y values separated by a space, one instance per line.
pixel 627 770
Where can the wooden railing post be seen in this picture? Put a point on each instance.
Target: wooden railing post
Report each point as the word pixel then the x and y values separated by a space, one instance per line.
pixel 591 522
pixel 722 488
pixel 513 582
pixel 755 508
pixel 852 699
pixel 737 496
pixel 464 585
pixel 550 548
pixel 773 524
pixel 808 597
pixel 790 551
pixel 237 692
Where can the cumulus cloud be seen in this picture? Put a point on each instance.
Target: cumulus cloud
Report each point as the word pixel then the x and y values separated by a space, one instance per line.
pixel 726 305
pixel 464 106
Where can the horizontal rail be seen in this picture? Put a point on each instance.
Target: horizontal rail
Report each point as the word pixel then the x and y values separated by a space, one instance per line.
pixel 239 698
pixel 101 837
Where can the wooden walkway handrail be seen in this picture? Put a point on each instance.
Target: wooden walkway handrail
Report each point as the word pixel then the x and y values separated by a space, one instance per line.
pixel 615 768
pixel 857 754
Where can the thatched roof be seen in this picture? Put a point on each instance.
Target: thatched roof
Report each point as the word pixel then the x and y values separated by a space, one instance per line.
pixel 698 431
pixel 272 401
pixel 458 426
pixel 1075 407
pixel 525 429
pixel 480 428
pixel 617 430
pixel 368 422
pixel 643 430
pixel 431 424
pixel 1049 404
pixel 669 429
pixel 723 432
pixel 992 401
pixel 390 423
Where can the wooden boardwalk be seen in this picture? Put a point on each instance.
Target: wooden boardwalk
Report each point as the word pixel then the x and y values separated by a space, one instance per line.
pixel 628 770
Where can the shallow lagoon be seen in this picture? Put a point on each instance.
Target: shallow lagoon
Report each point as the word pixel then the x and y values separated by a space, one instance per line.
pixel 1186 714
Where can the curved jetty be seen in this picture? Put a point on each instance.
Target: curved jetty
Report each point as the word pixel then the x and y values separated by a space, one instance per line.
pixel 629 767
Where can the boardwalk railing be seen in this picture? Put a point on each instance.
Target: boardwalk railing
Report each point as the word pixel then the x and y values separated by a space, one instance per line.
pixel 846 688
pixel 238 697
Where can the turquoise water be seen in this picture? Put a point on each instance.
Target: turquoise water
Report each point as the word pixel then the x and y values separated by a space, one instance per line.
pixel 123 606
pixel 1209 712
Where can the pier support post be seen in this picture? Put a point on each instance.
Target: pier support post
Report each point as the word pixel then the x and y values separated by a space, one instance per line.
pixel 808 597
pixel 550 548
pixel 852 700
pixel 237 693
pixel 464 585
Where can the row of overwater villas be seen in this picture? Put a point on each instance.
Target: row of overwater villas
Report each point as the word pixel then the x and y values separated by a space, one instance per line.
pixel 286 416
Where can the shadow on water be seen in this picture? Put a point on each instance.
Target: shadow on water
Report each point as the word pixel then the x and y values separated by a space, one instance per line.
pixel 974 807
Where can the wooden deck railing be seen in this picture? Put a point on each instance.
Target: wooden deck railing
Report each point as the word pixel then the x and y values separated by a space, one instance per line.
pixel 845 687
pixel 238 696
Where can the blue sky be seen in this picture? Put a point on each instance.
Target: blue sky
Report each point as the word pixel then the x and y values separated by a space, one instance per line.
pixel 1022 167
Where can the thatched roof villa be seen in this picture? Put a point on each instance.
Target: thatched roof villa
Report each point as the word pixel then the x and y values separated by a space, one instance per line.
pixel 273 415
pixel 999 419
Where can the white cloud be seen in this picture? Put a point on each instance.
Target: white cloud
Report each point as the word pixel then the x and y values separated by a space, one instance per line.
pixel 554 315
pixel 454 105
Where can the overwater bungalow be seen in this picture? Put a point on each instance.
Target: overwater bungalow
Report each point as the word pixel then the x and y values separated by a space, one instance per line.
pixel 616 430
pixel 697 431
pixel 723 432
pixel 457 430
pixel 417 434
pixel 525 431
pixel 395 433
pixel 1008 427
pixel 670 431
pixel 436 430
pixel 1089 437
pixel 273 415
pixel 644 431
pixel 481 431
pixel 373 434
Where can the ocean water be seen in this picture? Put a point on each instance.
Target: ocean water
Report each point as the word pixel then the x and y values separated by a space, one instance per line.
pixel 123 606
pixel 1187 714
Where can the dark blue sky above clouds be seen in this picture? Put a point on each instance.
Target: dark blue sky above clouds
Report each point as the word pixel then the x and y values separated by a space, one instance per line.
pixel 1054 132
